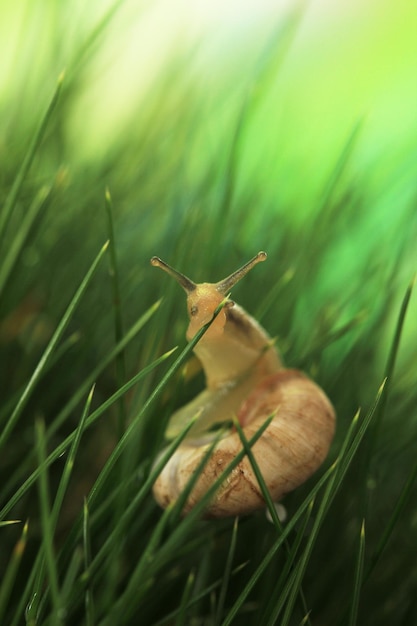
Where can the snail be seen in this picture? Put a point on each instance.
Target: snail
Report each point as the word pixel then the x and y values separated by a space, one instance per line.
pixel 245 380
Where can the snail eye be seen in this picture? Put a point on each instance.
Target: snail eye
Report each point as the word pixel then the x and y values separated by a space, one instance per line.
pixel 194 310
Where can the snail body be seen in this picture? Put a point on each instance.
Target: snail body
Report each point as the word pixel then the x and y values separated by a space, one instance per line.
pixel 246 380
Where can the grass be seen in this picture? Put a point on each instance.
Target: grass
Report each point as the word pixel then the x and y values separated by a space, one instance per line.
pixel 93 359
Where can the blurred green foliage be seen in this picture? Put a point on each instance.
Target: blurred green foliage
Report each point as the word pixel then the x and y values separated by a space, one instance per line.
pixel 295 133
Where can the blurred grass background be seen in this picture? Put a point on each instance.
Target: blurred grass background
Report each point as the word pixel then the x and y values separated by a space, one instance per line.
pixel 289 128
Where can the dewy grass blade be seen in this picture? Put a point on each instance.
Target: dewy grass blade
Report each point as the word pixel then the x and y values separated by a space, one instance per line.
pixel 358 578
pixel 50 348
pixel 11 199
pixel 62 447
pixel 118 322
pixel 46 526
pixel 9 576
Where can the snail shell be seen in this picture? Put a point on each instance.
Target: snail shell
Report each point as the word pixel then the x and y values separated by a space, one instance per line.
pixel 245 379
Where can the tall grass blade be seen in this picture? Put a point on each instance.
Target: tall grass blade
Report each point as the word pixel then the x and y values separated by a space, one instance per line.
pixel 50 348
pixel 333 477
pixel 403 499
pixel 88 597
pixel 62 447
pixel 69 464
pixel 152 562
pixel 9 576
pixel 89 380
pixel 118 321
pixel 33 147
pixel 226 574
pixel 184 604
pixel 265 493
pixel 46 526
pixel 15 249
pixel 392 358
pixel 275 607
pixel 275 547
pixel 357 587
pixel 117 451
pixel 343 462
pixel 39 566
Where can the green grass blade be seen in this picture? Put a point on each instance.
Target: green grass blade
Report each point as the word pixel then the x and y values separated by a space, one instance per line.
pixel 344 460
pixel 403 499
pixel 50 348
pixel 323 342
pixel 46 525
pixel 334 477
pixel 71 574
pixel 79 394
pixel 261 482
pixel 62 447
pixel 357 587
pixel 185 598
pixel 176 509
pixel 12 197
pixel 198 596
pixel 265 492
pixel 118 322
pixel 392 358
pixel 151 561
pixel 275 607
pixel 9 576
pixel 275 547
pixel 15 249
pixel 69 464
pixel 267 496
pixel 84 50
pixel 117 451
pixel 116 535
pixel 337 172
pixel 66 345
pixel 88 597
pixel 39 567
pixel 182 530
pixel 226 574
pixel 9 522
